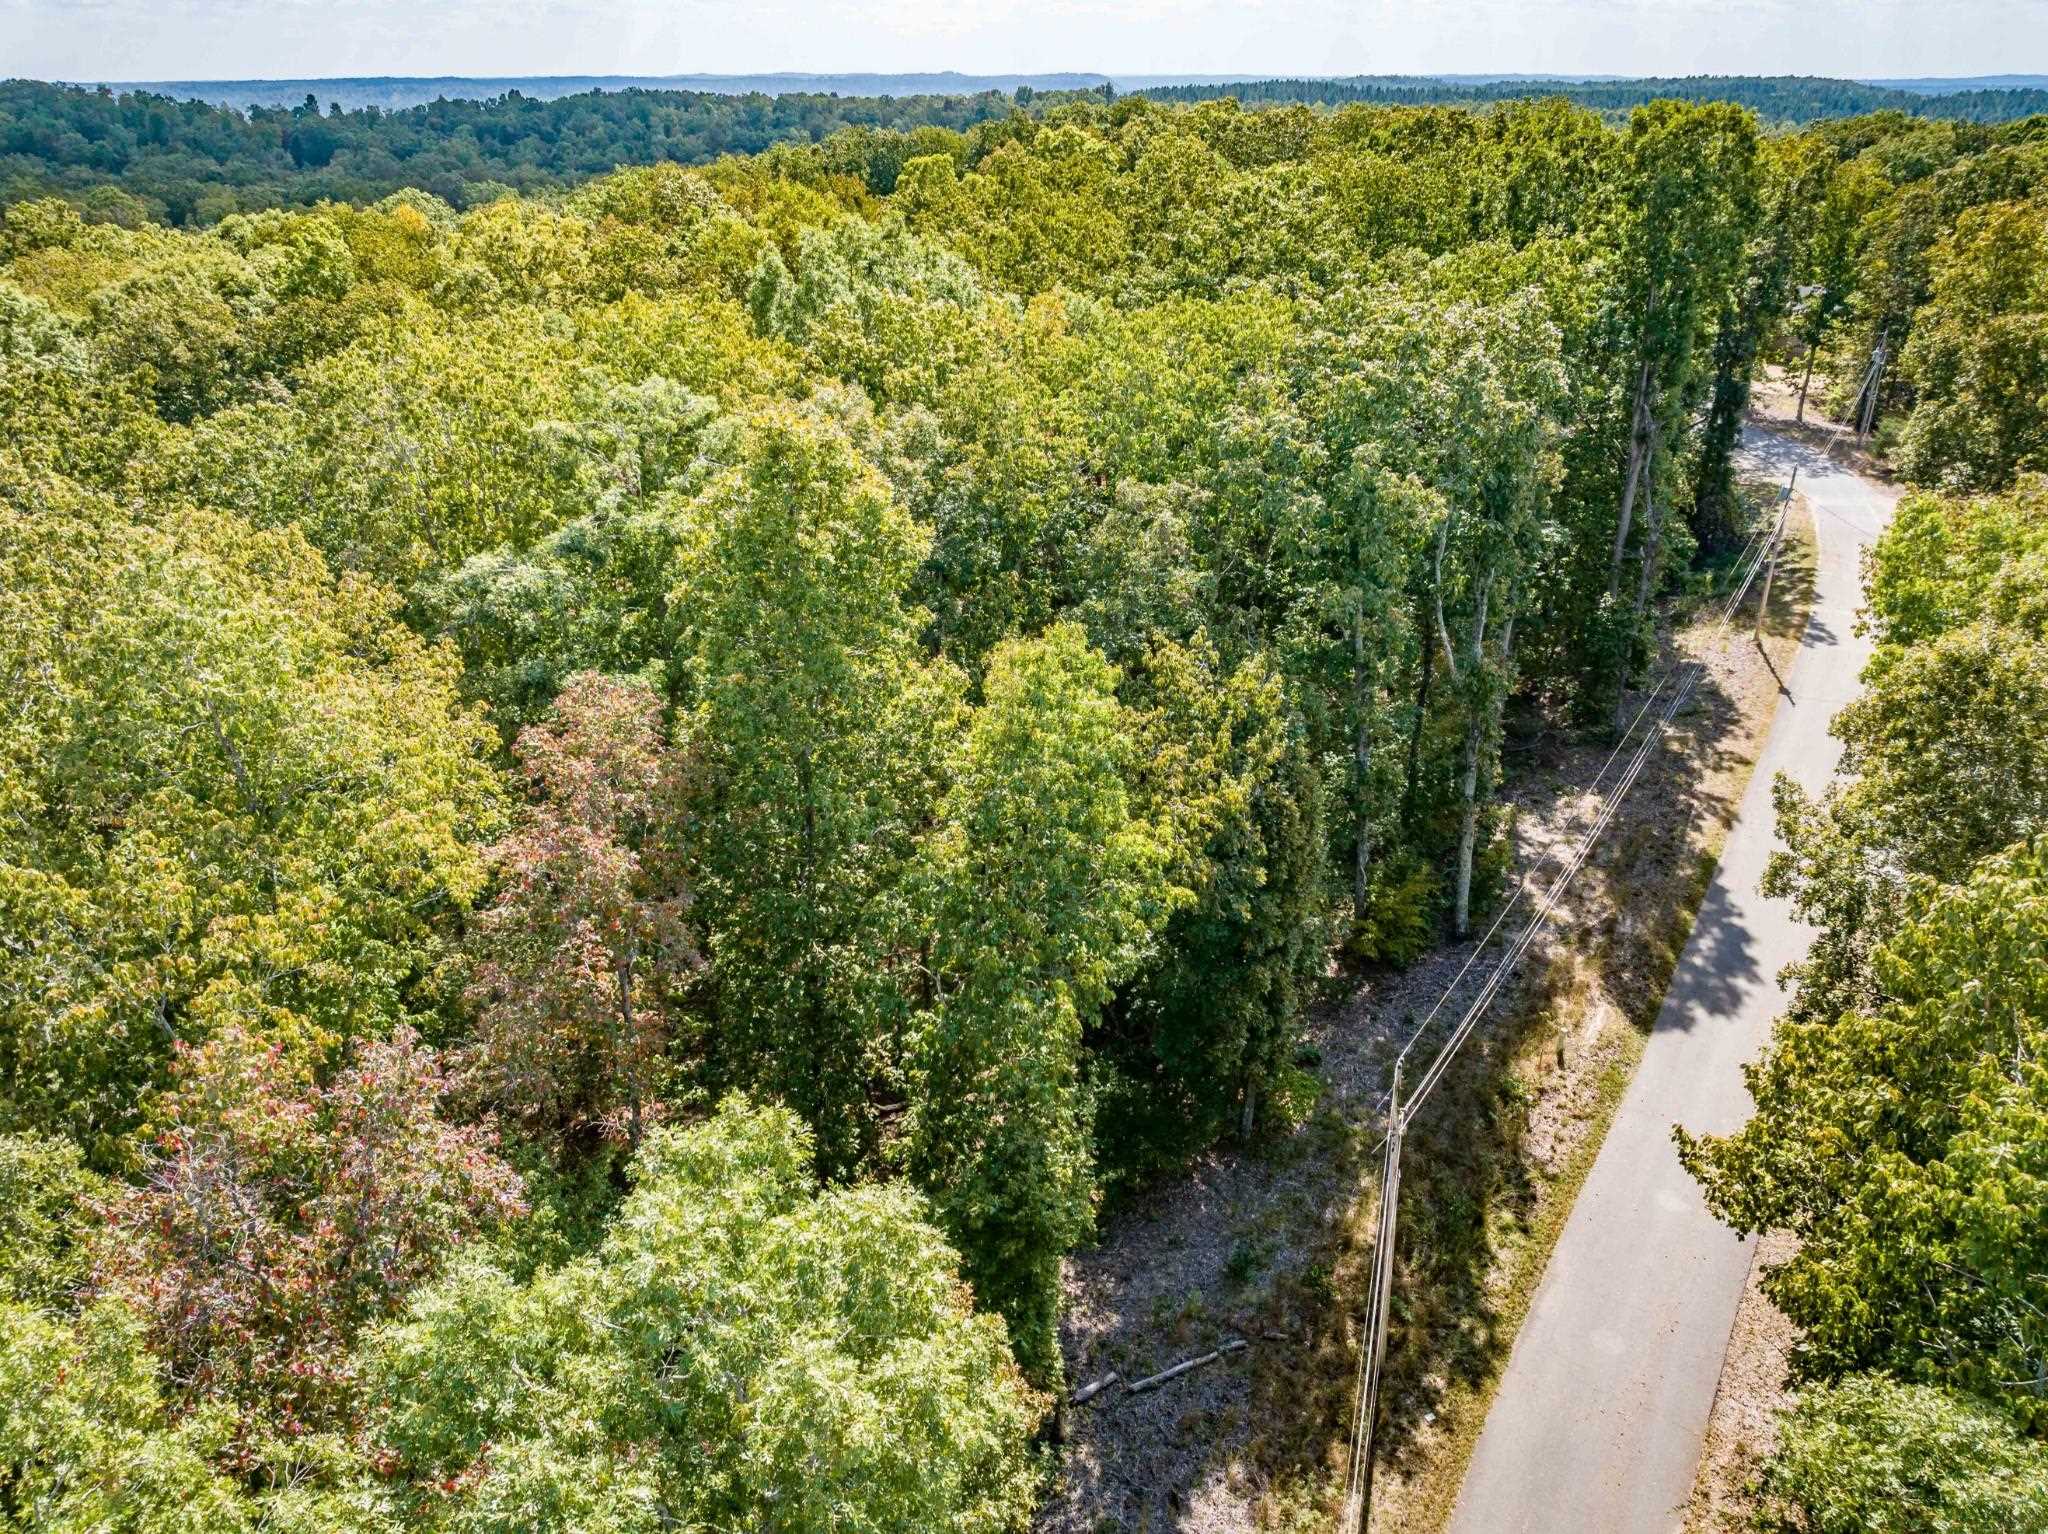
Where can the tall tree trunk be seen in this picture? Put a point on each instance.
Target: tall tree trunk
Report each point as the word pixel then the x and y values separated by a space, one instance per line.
pixel 1713 505
pixel 1637 455
pixel 1652 545
pixel 1799 415
pixel 1468 826
pixel 1485 716
pixel 1468 781
pixel 817 1027
pixel 1414 776
pixel 1361 703
pixel 631 1041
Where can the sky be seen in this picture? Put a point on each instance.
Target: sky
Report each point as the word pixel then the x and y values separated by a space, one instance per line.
pixel 238 39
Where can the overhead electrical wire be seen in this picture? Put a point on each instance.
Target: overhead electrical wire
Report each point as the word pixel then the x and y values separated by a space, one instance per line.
pixel 1686 673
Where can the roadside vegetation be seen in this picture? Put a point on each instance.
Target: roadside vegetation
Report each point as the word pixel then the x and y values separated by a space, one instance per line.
pixel 1902 1111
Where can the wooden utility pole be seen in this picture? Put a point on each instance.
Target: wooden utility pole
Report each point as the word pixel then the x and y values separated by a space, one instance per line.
pixel 1375 1340
pixel 1868 418
pixel 1777 537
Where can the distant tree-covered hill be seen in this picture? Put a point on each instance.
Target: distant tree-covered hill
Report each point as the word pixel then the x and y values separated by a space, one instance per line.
pixel 1775 98
pixel 190 161
pixel 1803 96
pixel 127 156
pixel 396 92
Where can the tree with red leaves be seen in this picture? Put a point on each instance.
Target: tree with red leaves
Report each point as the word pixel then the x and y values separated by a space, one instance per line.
pixel 578 955
pixel 279 1217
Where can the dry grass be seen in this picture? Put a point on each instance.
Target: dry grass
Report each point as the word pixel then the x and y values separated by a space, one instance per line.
pixel 1743 1428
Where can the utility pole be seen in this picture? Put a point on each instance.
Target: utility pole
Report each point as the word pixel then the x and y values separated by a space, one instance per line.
pixel 1777 537
pixel 1869 416
pixel 1358 1512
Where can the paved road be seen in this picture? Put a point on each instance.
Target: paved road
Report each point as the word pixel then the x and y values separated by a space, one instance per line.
pixel 1600 1417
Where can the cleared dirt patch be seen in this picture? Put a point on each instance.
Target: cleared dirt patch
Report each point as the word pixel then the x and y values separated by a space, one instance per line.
pixel 1774 400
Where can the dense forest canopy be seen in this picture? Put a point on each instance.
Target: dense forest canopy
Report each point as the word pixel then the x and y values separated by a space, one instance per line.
pixel 191 161
pixel 623 809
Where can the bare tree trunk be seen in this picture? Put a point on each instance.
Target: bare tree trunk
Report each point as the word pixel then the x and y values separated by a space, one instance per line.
pixel 1414 777
pixel 632 1042
pixel 1468 827
pixel 1361 759
pixel 1468 823
pixel 1637 456
pixel 1799 415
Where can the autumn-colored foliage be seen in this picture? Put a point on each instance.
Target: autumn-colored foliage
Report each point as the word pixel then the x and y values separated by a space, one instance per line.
pixel 577 958
pixel 276 1218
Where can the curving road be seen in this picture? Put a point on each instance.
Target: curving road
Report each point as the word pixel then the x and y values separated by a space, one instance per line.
pixel 1600 1416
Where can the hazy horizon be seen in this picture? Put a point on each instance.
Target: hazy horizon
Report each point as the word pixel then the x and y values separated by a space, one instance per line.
pixel 122 41
pixel 1133 79
pixel 398 92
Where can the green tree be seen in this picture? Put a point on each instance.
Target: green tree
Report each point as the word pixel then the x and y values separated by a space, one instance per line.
pixel 1200 1038
pixel 1945 750
pixel 236 792
pixel 405 453
pixel 1978 359
pixel 815 727
pixel 1944 743
pixel 875 304
pixel 1946 562
pixel 1873 1456
pixel 1042 890
pixel 1906 1144
pixel 1794 183
pixel 1834 257
pixel 47 1204
pixel 1441 426
pixel 87 1442
pixel 593 595
pixel 1689 201
pixel 743 1350
pixel 178 329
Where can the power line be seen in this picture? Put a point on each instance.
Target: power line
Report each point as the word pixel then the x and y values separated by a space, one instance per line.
pixel 1357 1506
pixel 1745 560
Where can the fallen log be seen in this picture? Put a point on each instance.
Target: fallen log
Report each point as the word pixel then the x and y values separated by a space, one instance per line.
pixel 1089 1392
pixel 1154 1381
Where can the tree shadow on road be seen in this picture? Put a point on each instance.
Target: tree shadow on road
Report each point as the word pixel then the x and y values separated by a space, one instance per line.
pixel 1488 1177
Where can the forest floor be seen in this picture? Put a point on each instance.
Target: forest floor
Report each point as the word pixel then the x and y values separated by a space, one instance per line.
pixel 1270 1246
